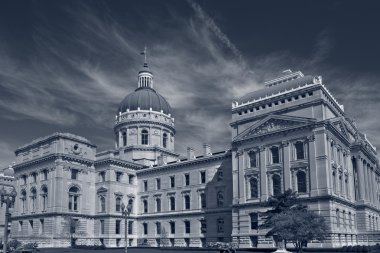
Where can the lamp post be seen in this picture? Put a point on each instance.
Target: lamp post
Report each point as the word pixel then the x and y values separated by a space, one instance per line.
pixel 7 198
pixel 125 212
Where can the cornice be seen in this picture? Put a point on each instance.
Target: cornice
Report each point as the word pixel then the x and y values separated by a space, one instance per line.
pixel 143 121
pixel 118 162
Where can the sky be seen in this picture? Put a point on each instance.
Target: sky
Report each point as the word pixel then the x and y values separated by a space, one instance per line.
pixel 66 65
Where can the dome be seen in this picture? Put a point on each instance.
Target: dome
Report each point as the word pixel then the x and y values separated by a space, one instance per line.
pixel 9 172
pixel 145 98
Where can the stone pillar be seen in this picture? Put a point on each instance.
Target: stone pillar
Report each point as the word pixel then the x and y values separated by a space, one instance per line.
pixel 361 177
pixel 286 162
pixel 373 186
pixel 241 178
pixel 322 161
pixel 312 170
pixel 366 181
pixel 235 178
pixel 263 174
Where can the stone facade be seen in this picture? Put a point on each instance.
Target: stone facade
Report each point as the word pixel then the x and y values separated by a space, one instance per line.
pixel 291 134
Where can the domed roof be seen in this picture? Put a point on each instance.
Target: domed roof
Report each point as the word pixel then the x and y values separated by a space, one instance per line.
pixel 145 98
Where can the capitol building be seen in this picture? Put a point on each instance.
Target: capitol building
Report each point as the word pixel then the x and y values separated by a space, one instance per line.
pixel 292 133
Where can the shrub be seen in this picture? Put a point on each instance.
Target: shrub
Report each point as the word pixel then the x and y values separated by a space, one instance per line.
pixel 94 247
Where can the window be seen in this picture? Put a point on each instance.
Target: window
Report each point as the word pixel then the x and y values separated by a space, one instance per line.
pixel 301 182
pixel 144 137
pixel 254 187
pixel 203 200
pixel 164 140
pixel 254 220
pixel 145 228
pixel 334 181
pixel 187 179
pixel 220 175
pixel 220 199
pixel 74 174
pixel 203 226
pixel 23 200
pixel 20 226
pixel 172 182
pixel 300 153
pixel 118 176
pixel 350 220
pixel 44 195
pixel 275 155
pixel 102 176
pixel 24 179
pixel 172 203
pixel 346 186
pixel 187 202
pixel 187 227
pixel 117 227
pixel 158 205
pixel 42 226
pixel 203 177
pixel 220 222
pixel 131 179
pixel 337 218
pixel 34 177
pixel 45 174
pixel 118 204
pixel 158 228
pixel 145 185
pixel 145 204
pixel 130 227
pixel 102 227
pixel 73 198
pixel 31 225
pixel 172 227
pixel 130 203
pixel 33 197
pixel 158 183
pixel 340 184
pixel 124 139
pixel 276 179
pixel 252 160
pixel 102 204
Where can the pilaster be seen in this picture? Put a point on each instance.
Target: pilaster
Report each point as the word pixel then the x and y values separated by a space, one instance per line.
pixel 312 167
pixel 286 162
pixel 361 179
pixel 263 174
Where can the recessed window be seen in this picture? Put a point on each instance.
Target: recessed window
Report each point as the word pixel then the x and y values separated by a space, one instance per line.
pixel 301 182
pixel 145 228
pixel 145 205
pixel 124 134
pixel 145 185
pixel 164 140
pixel 275 154
pixel 118 176
pixel 220 199
pixel 263 107
pixel 203 226
pixel 118 204
pixel 283 101
pixel 254 220
pixel 131 179
pixel 187 202
pixel 45 174
pixel 187 179
pixel 220 175
pixel 74 174
pixel 102 227
pixel 158 228
pixel 172 181
pixel 34 177
pixel 220 223
pixel 246 111
pixel 203 200
pixel 296 97
pixel 254 187
pixel 102 176
pixel 203 177
pixel 276 103
pixel 300 153
pixel 252 159
pixel 158 183
pixel 276 182
pixel 158 205
pixel 269 105
pixel 251 110
pixel 172 203
pixel 117 227
pixel 130 227
pixel 172 227
pixel 187 227
pixel 144 137
pixel 73 198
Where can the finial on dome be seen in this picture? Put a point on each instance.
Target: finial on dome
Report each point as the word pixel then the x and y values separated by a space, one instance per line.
pixel 145 54
pixel 145 77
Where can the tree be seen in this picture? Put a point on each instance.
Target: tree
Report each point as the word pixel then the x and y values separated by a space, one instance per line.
pixel 299 227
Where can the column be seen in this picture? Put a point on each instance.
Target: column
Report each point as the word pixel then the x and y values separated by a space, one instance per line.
pixel 286 163
pixel 263 174
pixel 373 186
pixel 241 178
pixel 366 182
pixel 322 162
pixel 361 179
pixel 313 169
pixel 235 177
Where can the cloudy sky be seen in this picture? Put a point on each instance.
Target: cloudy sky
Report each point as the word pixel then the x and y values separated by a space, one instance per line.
pixel 66 65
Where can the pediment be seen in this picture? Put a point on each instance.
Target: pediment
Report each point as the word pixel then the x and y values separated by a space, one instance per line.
pixel 341 127
pixel 102 189
pixel 272 124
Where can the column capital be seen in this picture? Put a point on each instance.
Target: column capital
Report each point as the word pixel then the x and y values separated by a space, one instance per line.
pixel 285 143
pixel 311 138
pixel 262 148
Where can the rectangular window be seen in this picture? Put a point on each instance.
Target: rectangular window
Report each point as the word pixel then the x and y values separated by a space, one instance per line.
pixel 20 226
pixel 172 227
pixel 74 174
pixel 220 175
pixel 117 227
pixel 30 226
pixel 145 228
pixel 254 220
pixel 131 179
pixel 187 202
pixel 145 205
pixel 172 182
pixel 42 226
pixel 119 175
pixel 203 177
pixel 145 185
pixel 130 227
pixel 275 155
pixel 45 173
pixel 252 160
pixel 203 226
pixel 203 200
pixel 102 176
pixel 34 177
pixel 101 226
pixel 187 227
pixel 187 179
pixel 158 228
pixel 24 179
pixel 220 225
pixel 158 183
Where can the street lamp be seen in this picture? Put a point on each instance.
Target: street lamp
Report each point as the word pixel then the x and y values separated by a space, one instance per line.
pixel 125 212
pixel 7 198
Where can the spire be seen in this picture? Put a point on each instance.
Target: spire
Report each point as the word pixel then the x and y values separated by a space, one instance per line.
pixel 145 77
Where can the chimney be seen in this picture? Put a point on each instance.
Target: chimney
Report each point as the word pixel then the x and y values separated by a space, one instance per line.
pixel 206 149
pixel 190 153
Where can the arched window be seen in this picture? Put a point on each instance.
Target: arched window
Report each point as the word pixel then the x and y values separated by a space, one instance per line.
pixel 158 205
pixel 300 153
pixel 118 204
pixel 301 182
pixel 73 198
pixel 253 183
pixel 124 139
pixel 130 203
pixel 23 200
pixel 172 203
pixel 220 199
pixel 102 204
pixel 164 140
pixel 144 137
pixel 33 197
pixel 276 180
pixel 252 160
pixel 275 154
pixel 44 195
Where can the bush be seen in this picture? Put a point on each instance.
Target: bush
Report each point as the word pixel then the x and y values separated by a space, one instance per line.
pixel 94 247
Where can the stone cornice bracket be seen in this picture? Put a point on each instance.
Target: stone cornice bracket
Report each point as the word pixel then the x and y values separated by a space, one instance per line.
pixel 262 148
pixel 239 152
pixel 285 143
pixel 311 138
